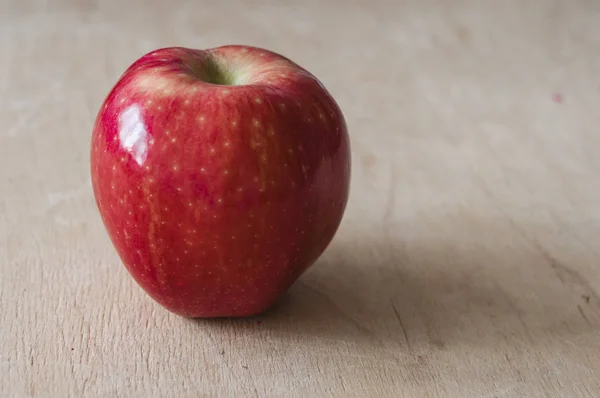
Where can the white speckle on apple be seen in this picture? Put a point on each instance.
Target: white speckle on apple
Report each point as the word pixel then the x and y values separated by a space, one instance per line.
pixel 116 138
pixel 225 92
pixel 114 168
pixel 212 150
pixel 122 100
pixel 234 123
pixel 240 189
pixel 309 119
pixel 112 187
pixel 258 100
pixel 166 209
pixel 227 143
pixel 226 172
pixel 201 119
pixel 123 159
pixel 151 179
pixel 175 167
pixel 173 140
pixel 256 122
pixel 202 169
pixel 149 102
pixel 321 116
pixel 232 237
pixel 220 200
pixel 159 108
pixel 186 102
pixel 190 204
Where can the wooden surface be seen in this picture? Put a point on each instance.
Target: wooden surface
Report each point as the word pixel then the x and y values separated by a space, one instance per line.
pixel 468 262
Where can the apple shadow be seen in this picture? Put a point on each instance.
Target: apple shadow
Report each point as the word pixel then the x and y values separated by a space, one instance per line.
pixel 375 292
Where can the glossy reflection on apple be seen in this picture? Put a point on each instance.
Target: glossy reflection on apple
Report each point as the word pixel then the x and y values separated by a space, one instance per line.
pixel 220 175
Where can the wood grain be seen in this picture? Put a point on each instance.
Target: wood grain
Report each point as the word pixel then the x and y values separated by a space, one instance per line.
pixel 468 262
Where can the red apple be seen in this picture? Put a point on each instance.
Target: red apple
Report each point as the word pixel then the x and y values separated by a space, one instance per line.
pixel 220 175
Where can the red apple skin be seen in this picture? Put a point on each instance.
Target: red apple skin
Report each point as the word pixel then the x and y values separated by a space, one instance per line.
pixel 218 197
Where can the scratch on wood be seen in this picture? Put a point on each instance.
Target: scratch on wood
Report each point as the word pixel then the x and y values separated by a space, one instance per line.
pixel 339 310
pixel 517 311
pixel 583 315
pixel 399 318
pixel 253 382
pixel 512 365
pixel 84 387
pixel 563 273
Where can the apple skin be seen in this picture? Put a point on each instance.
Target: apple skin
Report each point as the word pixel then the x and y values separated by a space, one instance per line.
pixel 218 197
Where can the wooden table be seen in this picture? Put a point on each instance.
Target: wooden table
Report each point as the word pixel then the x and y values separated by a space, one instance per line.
pixel 468 262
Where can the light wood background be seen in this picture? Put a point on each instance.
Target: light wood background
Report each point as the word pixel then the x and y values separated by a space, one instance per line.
pixel 468 263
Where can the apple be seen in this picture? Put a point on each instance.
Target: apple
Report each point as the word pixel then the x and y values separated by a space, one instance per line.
pixel 220 175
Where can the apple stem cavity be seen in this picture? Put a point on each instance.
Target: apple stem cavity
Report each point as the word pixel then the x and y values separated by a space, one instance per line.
pixel 211 71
